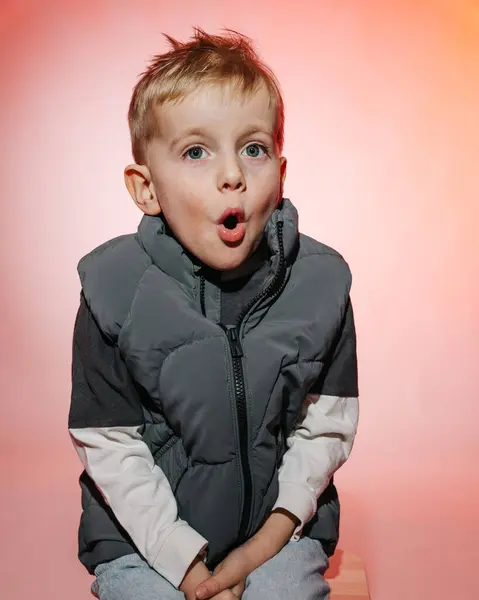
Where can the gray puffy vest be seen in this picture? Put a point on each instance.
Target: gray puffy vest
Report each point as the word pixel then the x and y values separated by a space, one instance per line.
pixel 222 400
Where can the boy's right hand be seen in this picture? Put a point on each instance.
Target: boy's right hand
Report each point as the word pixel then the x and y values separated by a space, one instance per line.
pixel 196 574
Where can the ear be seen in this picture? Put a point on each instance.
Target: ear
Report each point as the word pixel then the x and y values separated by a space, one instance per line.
pixel 142 189
pixel 283 165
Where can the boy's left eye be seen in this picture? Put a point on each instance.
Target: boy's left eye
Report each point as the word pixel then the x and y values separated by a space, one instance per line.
pixel 256 150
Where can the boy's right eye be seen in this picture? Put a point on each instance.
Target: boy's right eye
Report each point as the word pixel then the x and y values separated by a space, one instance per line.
pixel 194 153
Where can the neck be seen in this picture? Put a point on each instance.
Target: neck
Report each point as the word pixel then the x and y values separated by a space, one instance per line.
pixel 250 265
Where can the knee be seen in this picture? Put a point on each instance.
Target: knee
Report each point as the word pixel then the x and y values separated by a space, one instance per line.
pixel 285 588
pixel 114 578
pixel 295 572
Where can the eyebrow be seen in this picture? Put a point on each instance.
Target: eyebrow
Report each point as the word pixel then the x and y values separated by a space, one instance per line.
pixel 192 131
pixel 254 129
pixel 198 132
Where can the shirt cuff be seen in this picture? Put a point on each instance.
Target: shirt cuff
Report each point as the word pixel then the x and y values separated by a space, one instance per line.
pixel 178 552
pixel 298 500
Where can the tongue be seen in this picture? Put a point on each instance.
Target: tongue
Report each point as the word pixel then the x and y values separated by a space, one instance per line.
pixel 232 236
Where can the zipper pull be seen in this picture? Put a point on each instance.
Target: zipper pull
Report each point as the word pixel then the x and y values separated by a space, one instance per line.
pixel 235 343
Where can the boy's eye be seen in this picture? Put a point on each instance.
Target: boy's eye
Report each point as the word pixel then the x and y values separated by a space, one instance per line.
pixel 256 150
pixel 195 153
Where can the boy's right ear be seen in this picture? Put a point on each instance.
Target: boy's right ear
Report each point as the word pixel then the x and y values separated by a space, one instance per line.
pixel 142 189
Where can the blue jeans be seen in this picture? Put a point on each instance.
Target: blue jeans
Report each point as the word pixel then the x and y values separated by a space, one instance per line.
pixel 295 573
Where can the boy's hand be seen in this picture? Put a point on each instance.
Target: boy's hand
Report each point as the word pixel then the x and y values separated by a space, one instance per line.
pixel 234 569
pixel 237 589
pixel 196 574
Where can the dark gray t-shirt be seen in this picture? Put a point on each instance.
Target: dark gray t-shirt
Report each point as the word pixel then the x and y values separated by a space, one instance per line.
pixel 235 294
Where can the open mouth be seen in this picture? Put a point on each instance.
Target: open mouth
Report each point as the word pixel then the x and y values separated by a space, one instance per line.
pixel 231 225
pixel 231 217
pixel 230 222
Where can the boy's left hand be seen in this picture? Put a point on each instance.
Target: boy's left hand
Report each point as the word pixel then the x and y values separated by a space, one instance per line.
pixel 232 572
pixel 237 589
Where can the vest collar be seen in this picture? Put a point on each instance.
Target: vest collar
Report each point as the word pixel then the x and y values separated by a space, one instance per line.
pixel 169 255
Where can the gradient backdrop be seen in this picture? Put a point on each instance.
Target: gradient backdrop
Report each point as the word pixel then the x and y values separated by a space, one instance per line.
pixel 382 136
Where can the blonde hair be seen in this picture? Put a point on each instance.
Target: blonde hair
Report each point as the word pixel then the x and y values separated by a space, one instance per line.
pixel 206 59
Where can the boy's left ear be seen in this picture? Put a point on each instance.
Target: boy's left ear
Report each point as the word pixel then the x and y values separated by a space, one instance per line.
pixel 283 165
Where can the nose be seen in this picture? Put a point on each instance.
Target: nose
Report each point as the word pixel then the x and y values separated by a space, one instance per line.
pixel 231 176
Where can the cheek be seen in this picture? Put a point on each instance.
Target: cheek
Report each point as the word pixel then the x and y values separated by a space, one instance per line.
pixel 180 192
pixel 267 179
pixel 268 190
pixel 267 198
pixel 184 210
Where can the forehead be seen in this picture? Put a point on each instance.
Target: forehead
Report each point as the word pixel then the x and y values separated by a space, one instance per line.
pixel 217 106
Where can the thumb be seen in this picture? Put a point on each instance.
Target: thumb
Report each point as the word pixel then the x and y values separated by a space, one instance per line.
pixel 216 584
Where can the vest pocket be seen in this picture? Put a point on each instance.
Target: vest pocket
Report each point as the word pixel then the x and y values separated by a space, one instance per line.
pixel 172 460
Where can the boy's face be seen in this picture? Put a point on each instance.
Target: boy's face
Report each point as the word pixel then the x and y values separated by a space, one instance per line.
pixel 214 171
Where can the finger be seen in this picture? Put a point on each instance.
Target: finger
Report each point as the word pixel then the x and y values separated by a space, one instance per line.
pixel 218 568
pixel 225 595
pixel 209 588
pixel 216 584
pixel 238 589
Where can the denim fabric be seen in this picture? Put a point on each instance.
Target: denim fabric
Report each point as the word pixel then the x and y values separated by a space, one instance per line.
pixel 295 573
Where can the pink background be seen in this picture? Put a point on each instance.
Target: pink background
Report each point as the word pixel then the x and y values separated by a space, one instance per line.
pixel 382 136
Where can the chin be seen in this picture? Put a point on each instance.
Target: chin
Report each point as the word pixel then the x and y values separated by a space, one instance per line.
pixel 226 265
pixel 227 262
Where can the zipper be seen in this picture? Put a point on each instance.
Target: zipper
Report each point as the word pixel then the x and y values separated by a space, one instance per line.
pixel 277 283
pixel 234 334
pixel 242 414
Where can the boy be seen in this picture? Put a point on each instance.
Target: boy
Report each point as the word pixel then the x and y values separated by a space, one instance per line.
pixel 214 359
